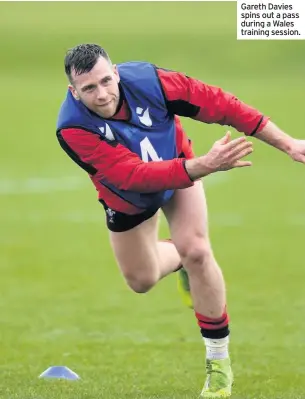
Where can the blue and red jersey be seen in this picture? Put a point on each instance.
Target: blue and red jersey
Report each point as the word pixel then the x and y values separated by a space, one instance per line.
pixel 116 167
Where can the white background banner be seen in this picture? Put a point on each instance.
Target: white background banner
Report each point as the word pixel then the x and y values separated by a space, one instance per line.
pixel 270 20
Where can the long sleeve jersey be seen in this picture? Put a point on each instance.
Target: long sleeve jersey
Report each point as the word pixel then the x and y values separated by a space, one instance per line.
pixel 184 96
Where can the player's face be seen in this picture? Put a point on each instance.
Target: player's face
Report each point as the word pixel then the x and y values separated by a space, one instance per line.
pixel 98 89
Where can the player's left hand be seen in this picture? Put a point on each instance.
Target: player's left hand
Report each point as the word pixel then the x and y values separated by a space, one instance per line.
pixel 297 151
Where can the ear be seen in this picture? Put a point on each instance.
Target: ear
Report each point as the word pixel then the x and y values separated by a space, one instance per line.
pixel 116 72
pixel 73 92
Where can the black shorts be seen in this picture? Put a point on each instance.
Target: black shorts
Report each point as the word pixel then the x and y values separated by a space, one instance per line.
pixel 119 222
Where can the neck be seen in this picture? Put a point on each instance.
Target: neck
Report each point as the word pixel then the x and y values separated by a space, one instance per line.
pixel 121 100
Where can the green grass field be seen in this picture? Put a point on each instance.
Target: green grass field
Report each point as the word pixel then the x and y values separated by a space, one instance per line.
pixel 63 300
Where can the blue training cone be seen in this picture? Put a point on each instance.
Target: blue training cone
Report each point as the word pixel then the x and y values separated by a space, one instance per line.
pixel 59 372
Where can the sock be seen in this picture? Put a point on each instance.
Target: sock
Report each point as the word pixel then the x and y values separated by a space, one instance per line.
pixel 217 349
pixel 215 333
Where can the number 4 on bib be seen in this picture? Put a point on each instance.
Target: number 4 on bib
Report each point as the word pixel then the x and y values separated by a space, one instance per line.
pixel 147 150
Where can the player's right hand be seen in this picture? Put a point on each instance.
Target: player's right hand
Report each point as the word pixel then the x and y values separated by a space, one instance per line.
pixel 224 155
pixel 227 154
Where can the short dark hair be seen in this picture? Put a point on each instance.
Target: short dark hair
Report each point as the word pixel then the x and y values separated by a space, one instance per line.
pixel 82 58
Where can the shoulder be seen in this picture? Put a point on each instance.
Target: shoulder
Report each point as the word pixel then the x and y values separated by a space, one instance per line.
pixel 78 134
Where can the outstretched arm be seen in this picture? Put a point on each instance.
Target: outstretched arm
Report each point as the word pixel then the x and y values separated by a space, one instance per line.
pixel 192 98
pixel 125 170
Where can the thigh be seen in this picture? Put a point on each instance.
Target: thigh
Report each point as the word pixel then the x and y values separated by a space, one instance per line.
pixel 136 249
pixel 186 214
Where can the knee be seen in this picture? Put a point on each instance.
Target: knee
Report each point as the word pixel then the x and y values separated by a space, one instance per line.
pixel 195 253
pixel 141 283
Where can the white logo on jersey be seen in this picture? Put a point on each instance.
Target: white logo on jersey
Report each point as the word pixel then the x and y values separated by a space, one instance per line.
pixel 108 133
pixel 144 117
pixel 147 150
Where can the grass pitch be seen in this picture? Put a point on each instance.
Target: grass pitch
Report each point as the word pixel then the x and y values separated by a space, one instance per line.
pixel 63 300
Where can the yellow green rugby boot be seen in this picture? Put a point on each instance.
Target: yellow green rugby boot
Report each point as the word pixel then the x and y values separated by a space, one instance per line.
pixel 219 379
pixel 184 287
